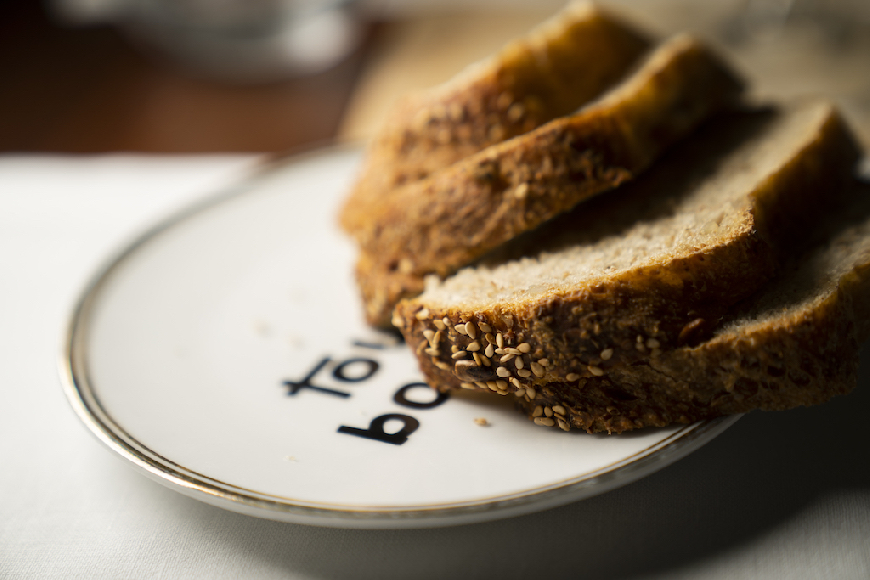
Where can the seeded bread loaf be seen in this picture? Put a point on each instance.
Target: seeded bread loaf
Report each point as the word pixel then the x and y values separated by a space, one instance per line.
pixel 440 224
pixel 648 268
pixel 560 65
pixel 794 345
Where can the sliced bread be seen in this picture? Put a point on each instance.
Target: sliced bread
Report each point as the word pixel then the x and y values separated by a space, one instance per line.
pixel 795 344
pixel 559 66
pixel 440 224
pixel 650 267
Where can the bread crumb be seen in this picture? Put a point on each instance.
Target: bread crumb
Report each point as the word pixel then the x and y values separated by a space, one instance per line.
pixel 482 422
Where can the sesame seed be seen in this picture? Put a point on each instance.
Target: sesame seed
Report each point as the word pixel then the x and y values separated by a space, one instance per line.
pixel 499 340
pixel 458 355
pixel 521 191
pixel 652 343
pixel 655 352
pixel 442 365
pixel 516 383
pixel 446 322
pixel 481 421
pixel 595 371
pixel 539 410
pixel 502 372
pixel 524 373
pixel 499 351
pixel 544 421
pixel 489 351
pixel 481 385
pixel 423 314
pixel 468 370
pixel 559 409
pixel 639 338
pixel 436 338
pixel 470 329
pixel 524 347
pixel 477 359
pixel 639 346
pixel 507 357
pixel 572 377
pixel 519 362
pixel 544 362
pixel 563 425
pixel 513 350
pixel 537 369
pixel 502 384
pixel 432 351
pixel 460 328
pixel 473 347
pixel 519 393
pixel 491 386
pixel 516 111
pixel 439 324
pixel 484 327
pixel 429 334
pixel 548 411
pixel 454 348
pixel 606 354
pixel 531 393
pixel 489 338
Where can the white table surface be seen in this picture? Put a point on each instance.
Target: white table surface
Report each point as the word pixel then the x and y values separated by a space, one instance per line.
pixel 779 495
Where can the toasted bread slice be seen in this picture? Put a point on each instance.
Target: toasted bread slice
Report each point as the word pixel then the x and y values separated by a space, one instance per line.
pixel 440 224
pixel 647 268
pixel 559 66
pixel 794 345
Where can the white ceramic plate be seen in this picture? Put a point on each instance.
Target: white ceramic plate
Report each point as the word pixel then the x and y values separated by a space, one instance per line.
pixel 223 354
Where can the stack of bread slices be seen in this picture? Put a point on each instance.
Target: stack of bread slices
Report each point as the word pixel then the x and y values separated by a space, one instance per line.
pixel 600 227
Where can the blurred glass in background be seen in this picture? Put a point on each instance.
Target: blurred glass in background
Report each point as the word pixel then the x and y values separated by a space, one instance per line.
pixel 235 40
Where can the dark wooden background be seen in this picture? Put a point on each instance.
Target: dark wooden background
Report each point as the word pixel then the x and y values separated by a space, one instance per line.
pixel 90 90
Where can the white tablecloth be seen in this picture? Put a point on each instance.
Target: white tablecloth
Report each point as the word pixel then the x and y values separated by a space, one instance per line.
pixel 779 495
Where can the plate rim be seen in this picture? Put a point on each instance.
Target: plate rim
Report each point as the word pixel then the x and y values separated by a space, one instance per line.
pixel 82 395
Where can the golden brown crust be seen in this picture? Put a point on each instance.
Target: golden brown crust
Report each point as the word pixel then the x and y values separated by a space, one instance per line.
pixel 439 224
pixel 558 67
pixel 634 316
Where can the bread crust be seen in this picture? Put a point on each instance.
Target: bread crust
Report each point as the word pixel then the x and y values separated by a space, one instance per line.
pixel 801 360
pixel 592 330
pixel 442 223
pixel 559 66
pixel 795 344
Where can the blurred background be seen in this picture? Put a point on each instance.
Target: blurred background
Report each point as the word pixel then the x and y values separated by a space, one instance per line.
pixel 278 76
